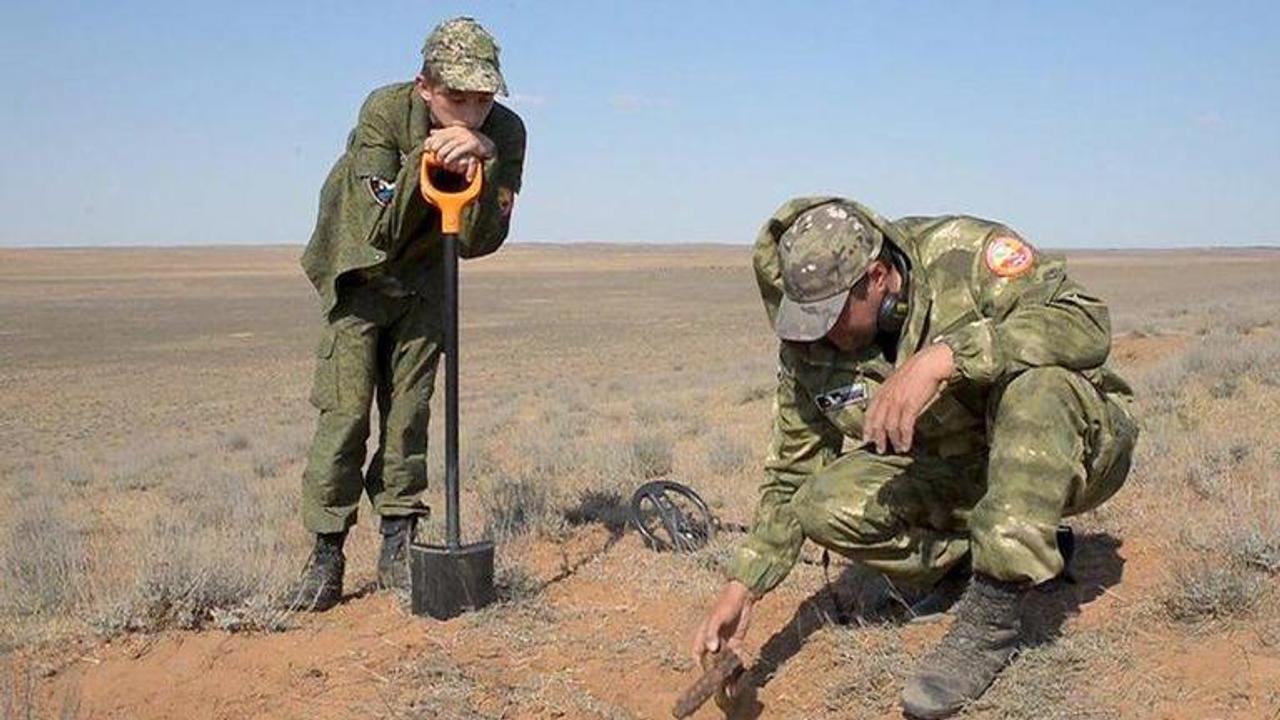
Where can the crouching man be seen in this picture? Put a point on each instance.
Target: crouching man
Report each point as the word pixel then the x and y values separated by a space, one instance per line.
pixel 943 401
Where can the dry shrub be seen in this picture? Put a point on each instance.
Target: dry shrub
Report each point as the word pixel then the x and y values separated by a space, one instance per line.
pixel 1232 553
pixel 726 455
pixel 652 455
pixel 221 563
pixel 515 583
pixel 603 506
pixel 43 563
pixel 515 506
pixel 1050 682
pixel 1207 591
pixel 1258 549
pixel 874 664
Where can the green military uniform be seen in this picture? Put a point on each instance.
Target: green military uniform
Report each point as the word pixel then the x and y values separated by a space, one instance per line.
pixel 375 260
pixel 1034 427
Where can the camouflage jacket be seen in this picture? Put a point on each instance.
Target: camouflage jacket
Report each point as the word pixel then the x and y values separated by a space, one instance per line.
pixel 997 325
pixel 373 218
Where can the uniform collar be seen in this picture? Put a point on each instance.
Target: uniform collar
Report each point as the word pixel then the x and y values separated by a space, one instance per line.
pixel 919 302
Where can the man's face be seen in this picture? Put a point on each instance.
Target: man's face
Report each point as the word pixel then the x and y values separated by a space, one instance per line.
pixel 456 108
pixel 855 329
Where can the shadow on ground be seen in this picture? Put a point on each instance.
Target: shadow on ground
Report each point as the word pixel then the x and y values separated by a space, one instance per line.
pixel 862 597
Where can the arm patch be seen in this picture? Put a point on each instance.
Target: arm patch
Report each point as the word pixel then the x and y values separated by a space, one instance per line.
pixel 1008 255
pixel 381 190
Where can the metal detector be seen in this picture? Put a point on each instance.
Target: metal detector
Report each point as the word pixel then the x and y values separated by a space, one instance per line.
pixel 671 516
pixel 451 579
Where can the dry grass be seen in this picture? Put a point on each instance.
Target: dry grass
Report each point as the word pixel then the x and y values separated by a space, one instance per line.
pixel 1052 682
pixel 159 425
pixel 1211 460
pixel 19 699
pixel 44 563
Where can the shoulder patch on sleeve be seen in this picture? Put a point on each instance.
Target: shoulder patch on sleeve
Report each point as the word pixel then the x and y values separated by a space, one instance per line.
pixel 381 190
pixel 1008 255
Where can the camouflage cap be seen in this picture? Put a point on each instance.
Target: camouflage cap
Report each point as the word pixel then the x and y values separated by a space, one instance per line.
pixel 822 256
pixel 465 56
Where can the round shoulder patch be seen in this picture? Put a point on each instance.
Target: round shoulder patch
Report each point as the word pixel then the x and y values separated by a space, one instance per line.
pixel 1009 256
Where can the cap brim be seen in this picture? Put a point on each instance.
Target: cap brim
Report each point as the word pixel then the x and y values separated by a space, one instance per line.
pixel 472 77
pixel 806 322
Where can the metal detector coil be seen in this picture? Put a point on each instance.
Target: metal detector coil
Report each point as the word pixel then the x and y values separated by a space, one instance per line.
pixel 671 516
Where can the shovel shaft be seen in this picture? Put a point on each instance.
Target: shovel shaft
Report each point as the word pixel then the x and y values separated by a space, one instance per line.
pixel 451 205
pixel 451 480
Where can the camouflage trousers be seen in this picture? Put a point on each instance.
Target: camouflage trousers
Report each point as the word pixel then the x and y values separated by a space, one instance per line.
pixel 374 345
pixel 1057 447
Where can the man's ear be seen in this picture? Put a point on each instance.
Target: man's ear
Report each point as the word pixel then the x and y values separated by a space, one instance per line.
pixel 424 90
pixel 878 273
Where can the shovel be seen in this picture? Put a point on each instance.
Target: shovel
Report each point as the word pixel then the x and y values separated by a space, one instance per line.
pixel 451 579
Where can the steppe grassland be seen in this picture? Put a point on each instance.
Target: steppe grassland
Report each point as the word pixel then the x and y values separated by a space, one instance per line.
pixel 155 419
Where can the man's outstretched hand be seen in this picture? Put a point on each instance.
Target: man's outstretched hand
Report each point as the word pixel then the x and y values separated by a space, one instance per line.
pixel 726 624
pixel 891 417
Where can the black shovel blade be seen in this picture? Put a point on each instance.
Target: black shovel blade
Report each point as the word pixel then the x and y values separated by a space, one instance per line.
pixel 447 582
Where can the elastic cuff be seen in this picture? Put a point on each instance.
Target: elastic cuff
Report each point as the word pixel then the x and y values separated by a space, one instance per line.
pixel 757 573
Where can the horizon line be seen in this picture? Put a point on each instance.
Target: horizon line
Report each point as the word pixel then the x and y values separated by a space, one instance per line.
pixel 630 243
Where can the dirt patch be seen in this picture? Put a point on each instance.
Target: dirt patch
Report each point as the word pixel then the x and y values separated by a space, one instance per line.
pixel 140 386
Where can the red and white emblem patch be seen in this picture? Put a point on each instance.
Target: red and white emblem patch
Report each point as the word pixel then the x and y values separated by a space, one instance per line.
pixel 1009 256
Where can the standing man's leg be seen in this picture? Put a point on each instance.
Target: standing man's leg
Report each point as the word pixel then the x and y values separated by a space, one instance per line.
pixel 1057 447
pixel 346 373
pixel 398 475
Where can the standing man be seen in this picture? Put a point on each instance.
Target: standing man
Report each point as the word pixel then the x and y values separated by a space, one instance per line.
pixel 942 403
pixel 375 260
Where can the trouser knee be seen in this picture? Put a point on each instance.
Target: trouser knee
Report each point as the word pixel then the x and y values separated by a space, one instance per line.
pixel 841 522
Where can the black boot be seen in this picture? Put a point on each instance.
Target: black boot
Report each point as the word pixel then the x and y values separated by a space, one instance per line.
pixel 393 560
pixel 321 585
pixel 971 654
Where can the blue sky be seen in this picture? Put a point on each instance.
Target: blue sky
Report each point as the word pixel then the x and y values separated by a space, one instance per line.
pixel 1099 124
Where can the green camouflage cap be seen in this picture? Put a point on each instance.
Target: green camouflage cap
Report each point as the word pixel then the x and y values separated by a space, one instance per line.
pixel 465 56
pixel 822 256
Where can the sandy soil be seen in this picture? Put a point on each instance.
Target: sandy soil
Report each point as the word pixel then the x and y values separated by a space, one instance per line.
pixel 104 352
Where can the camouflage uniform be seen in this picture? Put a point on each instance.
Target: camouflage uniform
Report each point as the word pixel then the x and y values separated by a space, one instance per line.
pixel 1034 426
pixel 375 260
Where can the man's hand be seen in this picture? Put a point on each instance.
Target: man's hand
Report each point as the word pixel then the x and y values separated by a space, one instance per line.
pixel 891 418
pixel 459 149
pixel 726 624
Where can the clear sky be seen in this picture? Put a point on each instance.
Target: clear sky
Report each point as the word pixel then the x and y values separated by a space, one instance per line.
pixel 1081 124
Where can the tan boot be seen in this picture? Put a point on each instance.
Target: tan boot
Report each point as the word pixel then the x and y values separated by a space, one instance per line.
pixel 976 648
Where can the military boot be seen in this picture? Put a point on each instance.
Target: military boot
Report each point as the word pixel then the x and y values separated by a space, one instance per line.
pixel 940 600
pixel 978 645
pixel 943 596
pixel 393 560
pixel 321 585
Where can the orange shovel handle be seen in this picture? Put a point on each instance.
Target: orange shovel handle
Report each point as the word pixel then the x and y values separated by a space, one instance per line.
pixel 450 203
